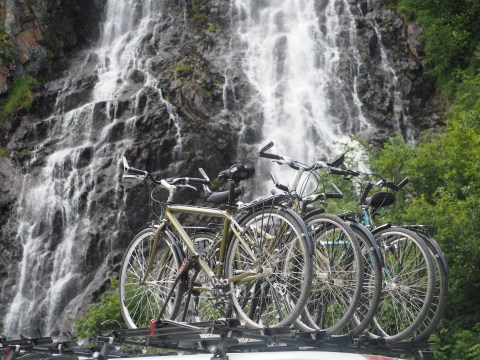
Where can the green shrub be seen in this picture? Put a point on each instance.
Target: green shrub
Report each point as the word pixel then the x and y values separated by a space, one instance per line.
pixel 19 97
pixel 8 54
pixel 452 37
pixel 182 69
pixel 102 316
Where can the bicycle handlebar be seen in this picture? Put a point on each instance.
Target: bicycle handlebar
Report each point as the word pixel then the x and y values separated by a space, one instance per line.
pixel 336 171
pixel 269 156
pixel 266 147
pixel 404 182
pixel 167 184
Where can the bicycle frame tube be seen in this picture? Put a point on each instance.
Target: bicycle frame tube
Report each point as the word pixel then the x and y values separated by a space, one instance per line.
pixel 169 216
pixel 154 250
pixel 366 219
pixel 193 210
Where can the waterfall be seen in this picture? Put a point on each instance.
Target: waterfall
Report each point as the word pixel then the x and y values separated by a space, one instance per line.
pixel 301 60
pixel 293 69
pixel 72 184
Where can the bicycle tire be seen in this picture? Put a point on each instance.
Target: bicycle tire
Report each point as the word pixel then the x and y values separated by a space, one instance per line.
pixel 142 300
pixel 372 282
pixel 407 287
pixel 275 245
pixel 439 300
pixel 338 275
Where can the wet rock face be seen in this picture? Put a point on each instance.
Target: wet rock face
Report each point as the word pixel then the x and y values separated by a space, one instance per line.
pixel 385 39
pixel 34 31
pixel 186 56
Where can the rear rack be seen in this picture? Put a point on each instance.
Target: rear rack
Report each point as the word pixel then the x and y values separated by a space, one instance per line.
pixel 218 339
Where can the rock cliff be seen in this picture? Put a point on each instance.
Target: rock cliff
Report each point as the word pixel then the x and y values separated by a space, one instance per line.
pixel 184 67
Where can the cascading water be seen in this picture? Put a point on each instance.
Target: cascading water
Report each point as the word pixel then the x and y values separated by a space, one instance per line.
pixel 292 76
pixel 302 62
pixel 73 181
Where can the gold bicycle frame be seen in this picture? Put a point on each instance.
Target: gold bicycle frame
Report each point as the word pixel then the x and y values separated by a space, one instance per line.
pixel 229 225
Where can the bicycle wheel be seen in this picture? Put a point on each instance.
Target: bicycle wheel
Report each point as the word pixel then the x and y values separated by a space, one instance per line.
pixel 372 282
pixel 143 297
pixel 439 300
pixel 337 275
pixel 273 262
pixel 408 284
pixel 206 306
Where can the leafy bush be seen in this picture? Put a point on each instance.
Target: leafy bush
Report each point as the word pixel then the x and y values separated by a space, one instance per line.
pixel 8 54
pixel 101 316
pixel 181 69
pixel 452 36
pixel 19 97
pixel 445 192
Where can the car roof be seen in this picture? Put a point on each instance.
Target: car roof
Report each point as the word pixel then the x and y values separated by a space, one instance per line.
pixel 274 355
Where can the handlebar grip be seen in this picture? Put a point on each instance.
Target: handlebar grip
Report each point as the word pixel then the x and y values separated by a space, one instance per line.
pixel 188 180
pixel 269 156
pixel 404 182
pixel 336 171
pixel 282 187
pixel 266 147
pixel 337 162
pixel 333 196
pixel 199 181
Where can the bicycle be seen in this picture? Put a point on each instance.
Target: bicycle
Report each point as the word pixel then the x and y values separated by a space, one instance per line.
pixel 413 300
pixel 260 274
pixel 347 261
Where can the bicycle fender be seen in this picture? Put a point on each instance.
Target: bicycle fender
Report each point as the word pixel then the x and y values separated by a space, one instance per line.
pixel 381 227
pixel 314 212
pixel 363 229
pixel 176 244
pixel 303 227
pixel 435 248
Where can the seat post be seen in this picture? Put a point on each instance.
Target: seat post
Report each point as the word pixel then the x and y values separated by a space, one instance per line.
pixel 231 197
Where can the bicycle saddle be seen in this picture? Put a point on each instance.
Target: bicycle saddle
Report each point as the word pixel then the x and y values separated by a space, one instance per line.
pixel 222 196
pixel 380 199
pixel 237 172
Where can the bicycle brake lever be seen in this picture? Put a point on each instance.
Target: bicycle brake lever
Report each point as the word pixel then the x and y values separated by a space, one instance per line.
pixel 125 163
pixel 133 177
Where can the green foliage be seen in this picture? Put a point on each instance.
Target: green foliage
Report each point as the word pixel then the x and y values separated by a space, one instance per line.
pixel 445 192
pixel 182 69
pixel 19 97
pixel 452 37
pixel 101 316
pixel 465 344
pixel 8 54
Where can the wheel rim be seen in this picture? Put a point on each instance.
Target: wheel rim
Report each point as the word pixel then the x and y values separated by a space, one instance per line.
pixel 335 285
pixel 142 299
pixel 282 270
pixel 406 292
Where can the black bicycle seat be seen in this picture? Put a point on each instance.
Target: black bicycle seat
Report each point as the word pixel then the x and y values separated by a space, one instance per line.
pixel 222 196
pixel 237 172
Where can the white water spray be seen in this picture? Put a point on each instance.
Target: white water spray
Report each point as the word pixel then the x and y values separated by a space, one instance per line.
pixel 296 56
pixel 57 204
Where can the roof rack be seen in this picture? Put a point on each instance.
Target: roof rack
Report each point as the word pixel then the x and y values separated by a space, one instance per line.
pixel 217 338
